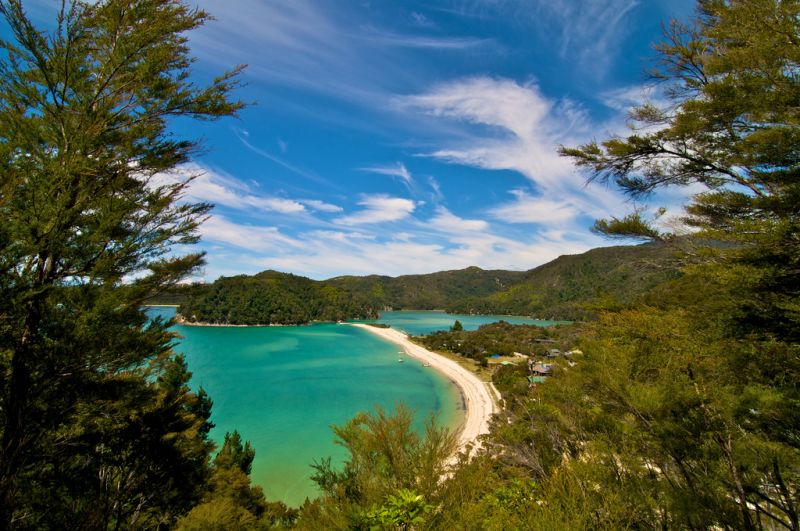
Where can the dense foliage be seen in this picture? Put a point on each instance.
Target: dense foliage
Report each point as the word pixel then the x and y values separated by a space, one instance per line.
pixel 390 480
pixel 230 502
pixel 570 287
pixel 98 428
pixel 684 410
pixel 272 298
pixel 433 291
pixel 574 287
pixel 497 338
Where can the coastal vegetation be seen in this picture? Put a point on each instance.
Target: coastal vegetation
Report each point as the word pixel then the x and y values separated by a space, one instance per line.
pixel 570 287
pixel 271 297
pixel 98 427
pixel 391 478
pixel 499 338
pixel 681 409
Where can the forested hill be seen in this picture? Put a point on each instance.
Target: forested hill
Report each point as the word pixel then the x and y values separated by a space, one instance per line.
pixel 428 292
pixel 570 286
pixel 566 288
pixel 271 297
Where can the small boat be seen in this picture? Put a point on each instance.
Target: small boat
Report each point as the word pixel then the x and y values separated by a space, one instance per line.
pixel 426 364
pixel 401 360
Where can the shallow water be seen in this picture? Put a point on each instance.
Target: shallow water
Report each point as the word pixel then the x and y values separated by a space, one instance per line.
pixel 283 387
pixel 424 322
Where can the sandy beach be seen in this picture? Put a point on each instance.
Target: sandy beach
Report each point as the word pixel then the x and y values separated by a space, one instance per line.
pixel 478 395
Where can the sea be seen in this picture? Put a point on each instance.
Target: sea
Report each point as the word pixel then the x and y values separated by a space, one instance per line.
pixel 283 387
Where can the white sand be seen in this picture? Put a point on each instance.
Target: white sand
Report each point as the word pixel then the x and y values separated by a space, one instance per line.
pixel 478 395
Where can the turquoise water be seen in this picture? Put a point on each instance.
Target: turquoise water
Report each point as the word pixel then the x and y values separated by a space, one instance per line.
pixel 421 323
pixel 283 387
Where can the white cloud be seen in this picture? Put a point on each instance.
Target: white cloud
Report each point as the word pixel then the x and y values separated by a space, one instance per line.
pixel 446 221
pixel 529 209
pixel 379 209
pixel 398 170
pixel 512 126
pixel 443 241
pixel 423 41
pixel 320 206
pixel 524 130
pixel 219 229
pixel 222 189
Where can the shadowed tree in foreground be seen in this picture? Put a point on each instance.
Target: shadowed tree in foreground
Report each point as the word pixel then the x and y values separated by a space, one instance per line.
pixel 712 409
pixel 97 425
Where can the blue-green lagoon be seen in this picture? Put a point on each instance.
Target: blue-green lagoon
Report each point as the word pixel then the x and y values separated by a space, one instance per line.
pixel 419 323
pixel 283 387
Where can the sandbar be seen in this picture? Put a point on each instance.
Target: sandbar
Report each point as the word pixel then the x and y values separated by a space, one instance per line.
pixel 478 396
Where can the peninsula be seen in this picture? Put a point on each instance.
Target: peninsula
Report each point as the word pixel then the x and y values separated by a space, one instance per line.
pixel 479 397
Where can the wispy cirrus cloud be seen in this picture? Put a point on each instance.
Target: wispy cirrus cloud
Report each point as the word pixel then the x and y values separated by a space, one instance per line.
pixel 424 41
pixel 320 206
pixel 258 238
pixel 242 136
pixel 378 209
pixel 520 126
pixel 297 43
pixel 398 170
pixel 446 221
pixel 589 31
pixel 586 33
pixel 513 126
pixel 528 209
pixel 219 188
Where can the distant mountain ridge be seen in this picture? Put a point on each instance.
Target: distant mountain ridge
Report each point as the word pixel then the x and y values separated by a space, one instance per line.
pixel 569 286
pixel 428 291
pixel 565 288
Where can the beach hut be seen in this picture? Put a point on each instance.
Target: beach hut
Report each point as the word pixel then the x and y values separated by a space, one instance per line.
pixel 541 369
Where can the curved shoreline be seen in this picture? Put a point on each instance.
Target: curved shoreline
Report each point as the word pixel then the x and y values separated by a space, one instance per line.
pixel 478 396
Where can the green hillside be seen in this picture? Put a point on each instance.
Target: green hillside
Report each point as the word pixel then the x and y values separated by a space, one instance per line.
pixel 428 292
pixel 271 297
pixel 567 288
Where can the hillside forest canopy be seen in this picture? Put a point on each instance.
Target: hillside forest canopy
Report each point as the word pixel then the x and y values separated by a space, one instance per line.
pixel 570 287
pixel 679 407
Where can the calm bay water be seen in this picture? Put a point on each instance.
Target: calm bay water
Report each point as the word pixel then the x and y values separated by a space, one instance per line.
pixel 421 323
pixel 283 387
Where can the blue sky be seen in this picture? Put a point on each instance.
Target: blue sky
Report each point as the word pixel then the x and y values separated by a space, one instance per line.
pixel 398 137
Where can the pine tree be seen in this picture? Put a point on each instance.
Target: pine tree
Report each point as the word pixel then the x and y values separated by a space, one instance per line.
pixel 731 124
pixel 97 426
pixel 721 426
